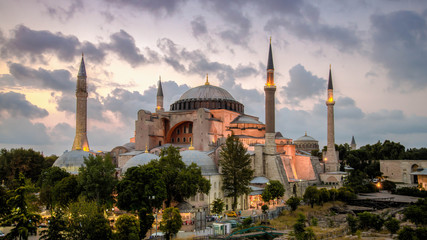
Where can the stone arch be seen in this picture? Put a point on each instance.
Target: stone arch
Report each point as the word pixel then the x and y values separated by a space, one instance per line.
pixel 172 133
pixel 331 179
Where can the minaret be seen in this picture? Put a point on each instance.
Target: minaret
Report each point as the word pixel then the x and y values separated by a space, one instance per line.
pixel 80 141
pixel 331 160
pixel 353 143
pixel 159 107
pixel 270 133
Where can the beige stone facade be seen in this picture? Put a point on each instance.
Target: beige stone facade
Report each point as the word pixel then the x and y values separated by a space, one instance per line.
pixel 399 171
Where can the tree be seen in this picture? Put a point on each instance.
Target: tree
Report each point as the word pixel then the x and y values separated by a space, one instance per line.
pixel 293 202
pixel 181 181
pixel 57 227
pixel 47 181
pixel 66 191
pixel 217 206
pixel 236 169
pixel 392 225
pixel 4 208
pixel 300 231
pixel 97 180
pixel 26 221
pixel 127 227
pixel 333 194
pixel 171 222
pixel 417 213
pixel 352 223
pixel 311 195
pixel 324 195
pixel 274 190
pixel 142 189
pixel 407 233
pixel 87 221
pixel 264 208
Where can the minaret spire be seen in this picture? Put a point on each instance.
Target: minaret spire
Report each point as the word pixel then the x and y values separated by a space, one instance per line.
pixel 270 90
pixel 270 68
pixel 331 159
pixel 159 107
pixel 80 140
pixel 353 143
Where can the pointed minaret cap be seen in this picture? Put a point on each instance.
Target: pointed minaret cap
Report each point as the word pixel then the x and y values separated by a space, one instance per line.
pixel 146 149
pixel 353 142
pixel 159 88
pixel 330 78
pixel 191 146
pixel 82 69
pixel 207 80
pixel 270 58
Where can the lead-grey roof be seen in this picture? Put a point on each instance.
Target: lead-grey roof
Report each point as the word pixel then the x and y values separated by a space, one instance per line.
pixel 246 119
pixel 138 160
pixel 71 161
pixel 206 92
pixel 202 159
pixel 306 138
pixel 82 69
pixel 260 180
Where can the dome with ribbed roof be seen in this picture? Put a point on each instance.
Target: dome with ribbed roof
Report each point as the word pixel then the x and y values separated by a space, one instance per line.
pixel 71 161
pixel 306 138
pixel 139 160
pixel 202 159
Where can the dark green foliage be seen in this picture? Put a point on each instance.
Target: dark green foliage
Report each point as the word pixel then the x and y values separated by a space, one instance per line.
pixel 57 227
pixel 26 161
pixel 324 195
pixel 416 154
pixel 146 220
pixel 127 227
pixel 411 191
pixel 26 221
pixel 311 195
pixel 421 232
pixel 236 169
pixel 293 202
pixel 417 213
pixel 300 231
pixel 171 222
pixel 217 206
pixel 407 233
pixel 369 220
pixel 97 180
pixel 47 181
pixel 87 221
pixel 389 185
pixel 247 222
pixel 273 190
pixel 264 208
pixel 4 208
pixel 392 225
pixel 66 191
pixel 352 223
pixel 181 181
pixel 346 194
pixel 333 194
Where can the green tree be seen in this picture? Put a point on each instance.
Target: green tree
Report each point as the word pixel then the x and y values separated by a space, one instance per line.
pixel 324 195
pixel 181 181
pixel 217 206
pixel 300 231
pixel 47 181
pixel 66 191
pixel 392 225
pixel 266 196
pixel 417 213
pixel 264 208
pixel 407 233
pixel 142 189
pixel 57 227
pixel 352 223
pixel 275 188
pixel 333 194
pixel 127 227
pixel 26 221
pixel 87 221
pixel 236 169
pixel 311 195
pixel 4 208
pixel 293 202
pixel 171 222
pixel 97 180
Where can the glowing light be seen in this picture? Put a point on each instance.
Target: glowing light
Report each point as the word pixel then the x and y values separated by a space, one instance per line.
pixel 86 149
pixel 378 185
pixel 331 99
pixel 158 107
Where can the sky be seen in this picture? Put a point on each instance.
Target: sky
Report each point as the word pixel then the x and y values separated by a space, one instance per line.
pixel 377 51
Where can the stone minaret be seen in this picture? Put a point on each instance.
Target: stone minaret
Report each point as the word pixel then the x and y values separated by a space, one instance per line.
pixel 270 133
pixel 80 141
pixel 159 107
pixel 331 161
pixel 353 143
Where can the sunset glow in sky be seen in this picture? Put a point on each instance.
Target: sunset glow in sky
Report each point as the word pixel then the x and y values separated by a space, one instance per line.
pixel 377 49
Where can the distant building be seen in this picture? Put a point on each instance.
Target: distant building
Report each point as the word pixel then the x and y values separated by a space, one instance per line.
pixel 402 171
pixel 353 144
pixel 306 143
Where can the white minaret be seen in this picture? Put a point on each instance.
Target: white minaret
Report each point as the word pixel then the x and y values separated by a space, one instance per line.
pixel 80 140
pixel 331 160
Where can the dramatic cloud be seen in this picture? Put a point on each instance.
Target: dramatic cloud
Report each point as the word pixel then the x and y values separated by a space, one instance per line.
pixel 198 25
pixel 64 14
pixel 16 105
pixel 35 44
pixel 59 80
pixel 95 107
pixel 400 45
pixel 21 131
pixel 303 85
pixel 165 7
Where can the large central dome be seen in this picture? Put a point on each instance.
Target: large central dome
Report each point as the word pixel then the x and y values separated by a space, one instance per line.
pixel 207 92
pixel 207 96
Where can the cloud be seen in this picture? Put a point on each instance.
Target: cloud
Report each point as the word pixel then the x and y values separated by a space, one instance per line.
pixel 198 26
pixel 21 131
pixel 64 14
pixel 124 46
pixel 400 45
pixel 16 105
pixel 59 80
pixel 302 85
pixel 164 7
pixel 32 44
pixel 95 107
pixel 6 81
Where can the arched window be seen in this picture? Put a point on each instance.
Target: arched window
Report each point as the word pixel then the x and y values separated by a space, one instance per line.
pixel 177 140
pixel 183 139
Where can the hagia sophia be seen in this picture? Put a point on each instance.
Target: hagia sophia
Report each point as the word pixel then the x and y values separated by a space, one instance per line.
pixel 198 124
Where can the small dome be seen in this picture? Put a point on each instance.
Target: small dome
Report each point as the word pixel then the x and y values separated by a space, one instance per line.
pixel 207 92
pixel 260 180
pixel 201 159
pixel 71 161
pixel 139 160
pixel 306 138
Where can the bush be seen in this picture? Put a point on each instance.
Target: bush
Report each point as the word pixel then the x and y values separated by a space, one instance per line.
pixel 411 191
pixel 389 185
pixel 264 208
pixel 392 225
pixel 293 202
pixel 352 223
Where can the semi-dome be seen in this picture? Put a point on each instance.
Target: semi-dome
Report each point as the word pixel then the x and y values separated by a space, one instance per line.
pixel 139 160
pixel 202 159
pixel 207 96
pixel 71 161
